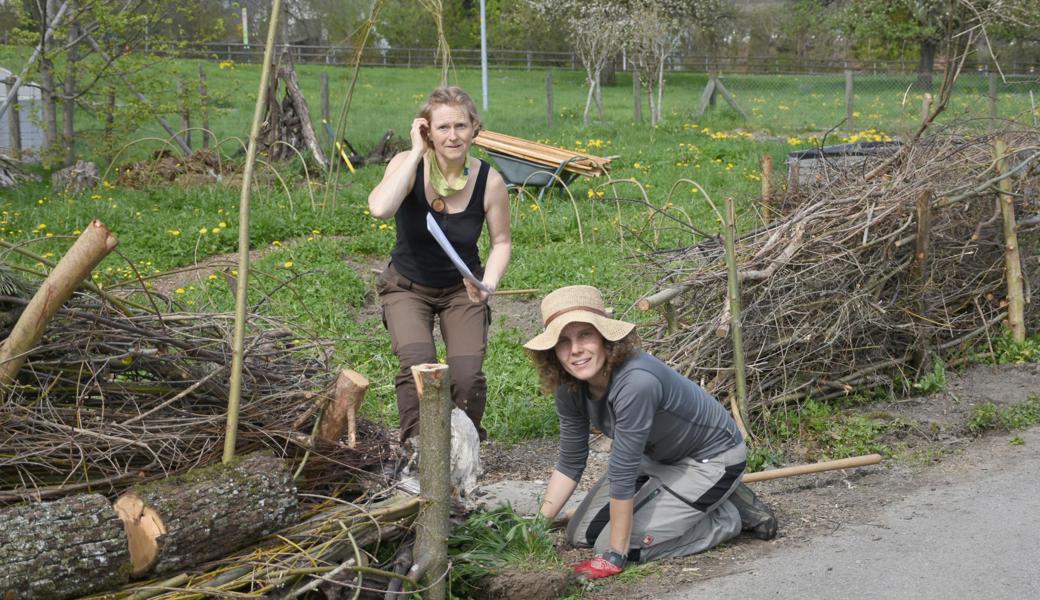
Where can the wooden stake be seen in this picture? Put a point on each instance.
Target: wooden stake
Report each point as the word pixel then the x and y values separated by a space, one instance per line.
pixel 766 166
pixel 433 383
pixel 1012 261
pixel 549 99
pixel 849 125
pixel 992 95
pixel 182 95
pixel 341 412
pixel 90 248
pixel 926 107
pixel 738 401
pixel 204 107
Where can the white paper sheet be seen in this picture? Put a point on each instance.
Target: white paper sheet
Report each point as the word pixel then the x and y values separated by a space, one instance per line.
pixel 435 231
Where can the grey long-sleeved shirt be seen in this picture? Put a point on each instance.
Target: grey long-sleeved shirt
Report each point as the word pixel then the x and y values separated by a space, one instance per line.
pixel 648 409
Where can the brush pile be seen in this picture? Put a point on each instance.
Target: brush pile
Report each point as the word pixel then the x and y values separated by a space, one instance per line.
pixel 111 398
pixel 835 294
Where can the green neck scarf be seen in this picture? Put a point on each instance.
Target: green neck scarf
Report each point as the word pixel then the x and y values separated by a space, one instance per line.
pixel 439 183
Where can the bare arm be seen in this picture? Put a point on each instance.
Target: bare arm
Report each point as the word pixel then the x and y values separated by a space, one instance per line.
pixel 557 493
pixel 496 210
pixel 620 524
pixel 386 198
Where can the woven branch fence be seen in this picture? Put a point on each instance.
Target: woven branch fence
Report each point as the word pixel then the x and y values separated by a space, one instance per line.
pixel 834 295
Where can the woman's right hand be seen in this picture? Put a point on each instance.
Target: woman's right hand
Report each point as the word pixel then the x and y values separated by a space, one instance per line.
pixel 420 130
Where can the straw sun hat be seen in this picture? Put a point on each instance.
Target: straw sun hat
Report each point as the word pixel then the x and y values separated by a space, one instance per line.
pixel 576 303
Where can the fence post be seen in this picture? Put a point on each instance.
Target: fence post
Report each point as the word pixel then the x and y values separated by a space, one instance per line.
pixel 14 123
pixel 325 105
pixel 766 164
pixel 926 107
pixel 848 101
pixel 182 95
pixel 637 98
pixel 204 107
pixel 549 98
pixel 992 95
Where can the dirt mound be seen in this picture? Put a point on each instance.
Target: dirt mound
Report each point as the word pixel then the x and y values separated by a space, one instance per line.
pixel 200 167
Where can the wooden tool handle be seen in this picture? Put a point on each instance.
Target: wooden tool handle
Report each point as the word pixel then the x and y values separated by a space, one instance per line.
pixel 830 465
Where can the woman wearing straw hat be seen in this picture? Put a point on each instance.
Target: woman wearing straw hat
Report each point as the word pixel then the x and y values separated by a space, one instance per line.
pixel 439 178
pixel 672 487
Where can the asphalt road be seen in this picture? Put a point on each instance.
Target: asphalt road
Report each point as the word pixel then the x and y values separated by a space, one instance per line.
pixel 972 531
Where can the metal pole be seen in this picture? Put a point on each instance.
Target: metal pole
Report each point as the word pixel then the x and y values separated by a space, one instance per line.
pixel 483 54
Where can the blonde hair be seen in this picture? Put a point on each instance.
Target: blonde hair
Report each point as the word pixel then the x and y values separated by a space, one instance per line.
pixel 451 96
pixel 552 374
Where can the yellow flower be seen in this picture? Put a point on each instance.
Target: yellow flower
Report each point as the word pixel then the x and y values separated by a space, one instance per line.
pixel 42 226
pixel 223 225
pixel 276 243
pixel 383 226
pixel 174 232
pixel 76 232
pixel 216 230
pixel 127 360
pixel 203 231
pixel 592 194
pixel 315 231
pixel 180 290
pixel 212 276
pixel 234 272
pixel 599 193
pixel 534 206
pixel 287 264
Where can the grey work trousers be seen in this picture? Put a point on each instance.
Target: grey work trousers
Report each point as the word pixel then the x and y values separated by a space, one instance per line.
pixel 408 313
pixel 679 509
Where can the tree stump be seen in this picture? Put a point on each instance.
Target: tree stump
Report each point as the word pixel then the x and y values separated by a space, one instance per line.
pixel 80 177
pixel 341 411
pixel 207 513
pixel 67 548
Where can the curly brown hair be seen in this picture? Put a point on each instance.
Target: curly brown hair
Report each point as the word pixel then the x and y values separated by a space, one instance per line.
pixel 552 374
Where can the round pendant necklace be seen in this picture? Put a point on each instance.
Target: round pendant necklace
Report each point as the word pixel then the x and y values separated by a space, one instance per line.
pixel 438 204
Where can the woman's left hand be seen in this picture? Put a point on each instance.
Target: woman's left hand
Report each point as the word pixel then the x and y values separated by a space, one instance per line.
pixel 475 293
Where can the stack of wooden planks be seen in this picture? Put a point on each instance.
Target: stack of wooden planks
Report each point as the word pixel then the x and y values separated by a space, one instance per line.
pixel 543 154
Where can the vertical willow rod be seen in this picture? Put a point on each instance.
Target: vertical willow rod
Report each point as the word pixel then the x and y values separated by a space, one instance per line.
pixel 729 228
pixel 242 287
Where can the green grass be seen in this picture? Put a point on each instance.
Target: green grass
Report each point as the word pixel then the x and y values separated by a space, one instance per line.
pixel 988 416
pixel 595 232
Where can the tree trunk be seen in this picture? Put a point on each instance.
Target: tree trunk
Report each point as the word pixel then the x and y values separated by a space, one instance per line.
pixel 608 76
pixel 68 129
pixel 433 382
pixel 49 94
pixel 63 549
pixel 926 65
pixel 211 512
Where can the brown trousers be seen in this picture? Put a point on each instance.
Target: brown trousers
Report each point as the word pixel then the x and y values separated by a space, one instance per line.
pixel 408 313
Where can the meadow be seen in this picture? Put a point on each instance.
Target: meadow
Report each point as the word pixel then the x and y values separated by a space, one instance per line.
pixel 318 243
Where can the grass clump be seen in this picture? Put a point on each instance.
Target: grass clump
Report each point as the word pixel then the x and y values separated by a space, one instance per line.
pixel 988 416
pixel 821 431
pixel 499 539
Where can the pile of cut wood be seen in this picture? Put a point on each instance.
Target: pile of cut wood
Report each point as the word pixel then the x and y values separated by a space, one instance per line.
pixel 864 280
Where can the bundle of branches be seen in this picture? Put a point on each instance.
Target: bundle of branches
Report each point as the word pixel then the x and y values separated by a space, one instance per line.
pixel 836 295
pixel 286 129
pixel 110 398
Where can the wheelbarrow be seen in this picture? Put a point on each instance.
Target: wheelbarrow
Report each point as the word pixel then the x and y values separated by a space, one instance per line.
pixel 525 163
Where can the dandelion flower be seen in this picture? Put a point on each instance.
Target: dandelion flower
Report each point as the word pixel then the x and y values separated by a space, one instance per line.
pixel 287 264
pixel 180 290
pixel 223 225
pixel 203 231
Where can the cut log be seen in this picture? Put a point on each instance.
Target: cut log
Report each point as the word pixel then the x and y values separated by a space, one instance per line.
pixel 206 514
pixel 341 412
pixel 63 549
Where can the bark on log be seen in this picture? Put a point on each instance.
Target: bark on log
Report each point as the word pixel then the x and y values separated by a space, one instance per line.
pixel 207 513
pixel 68 548
pixel 93 245
pixel 341 412
pixel 432 526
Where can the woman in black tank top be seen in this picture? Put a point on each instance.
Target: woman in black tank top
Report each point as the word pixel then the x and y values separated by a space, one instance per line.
pixel 438 181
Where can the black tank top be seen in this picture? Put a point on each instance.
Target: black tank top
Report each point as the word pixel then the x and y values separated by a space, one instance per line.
pixel 417 255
